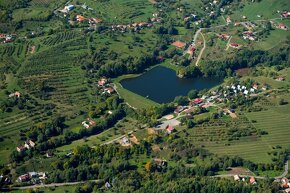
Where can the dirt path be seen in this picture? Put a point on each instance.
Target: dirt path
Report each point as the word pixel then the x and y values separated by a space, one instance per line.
pixel 228 43
pixel 52 185
pixel 201 51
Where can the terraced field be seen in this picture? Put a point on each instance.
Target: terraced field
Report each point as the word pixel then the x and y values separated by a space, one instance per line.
pixel 121 10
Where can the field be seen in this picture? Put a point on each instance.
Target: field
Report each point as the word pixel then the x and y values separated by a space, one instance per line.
pixel 275 121
pixel 61 189
pixel 266 8
pixel 120 11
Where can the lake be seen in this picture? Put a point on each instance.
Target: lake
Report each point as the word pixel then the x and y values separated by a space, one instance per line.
pixel 161 84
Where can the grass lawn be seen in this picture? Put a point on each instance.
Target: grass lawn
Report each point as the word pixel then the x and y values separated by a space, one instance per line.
pixel 134 99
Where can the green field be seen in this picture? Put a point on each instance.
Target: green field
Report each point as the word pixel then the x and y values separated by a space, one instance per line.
pixel 275 121
pixel 121 128
pixel 61 189
pixel 266 8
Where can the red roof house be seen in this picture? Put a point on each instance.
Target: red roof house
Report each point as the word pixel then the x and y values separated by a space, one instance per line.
pixel 234 45
pixel 197 101
pixel 170 129
pixel 282 26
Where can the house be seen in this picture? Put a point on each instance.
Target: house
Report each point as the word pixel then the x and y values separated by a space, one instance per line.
pixel 67 8
pixel 285 14
pixel 285 183
pixel 30 143
pixel 197 101
pixel 237 23
pixel 282 26
pixel 186 19
pixel 125 141
pixel 228 20
pixel 265 87
pixel 88 123
pixel 280 78
pixel 84 123
pixel 108 185
pixel 17 94
pixel 2 36
pixel 94 21
pixel 255 86
pixel 170 129
pixel 23 178
pixel 179 109
pixel 102 82
pixel 49 154
pixel 234 45
pixel 33 174
pixel 253 180
pixel 42 175
pixel 179 44
pixel 224 36
pixel 160 162
pixel 236 177
pixel 249 35
pixel 109 90
pixel 26 145
pixel 80 18
pixel 21 148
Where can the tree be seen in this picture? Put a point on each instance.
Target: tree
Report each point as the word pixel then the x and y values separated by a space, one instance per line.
pixel 181 100
pixel 192 94
pixel 148 166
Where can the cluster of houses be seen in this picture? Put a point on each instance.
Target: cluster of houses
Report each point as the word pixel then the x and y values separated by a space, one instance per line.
pixel 241 89
pixel 105 87
pixel 88 123
pixel 249 35
pixel 33 177
pixel 252 179
pixel 249 25
pixel 27 145
pixel 137 26
pixel 7 38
